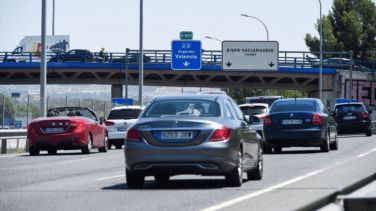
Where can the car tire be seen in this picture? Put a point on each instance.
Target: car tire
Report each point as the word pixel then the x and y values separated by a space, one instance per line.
pixel 235 178
pixel 334 146
pixel 34 151
pixel 278 149
pixel 105 145
pixel 88 147
pixel 162 178
pixel 118 146
pixel 52 151
pixel 369 132
pixel 325 147
pixel 257 173
pixel 134 180
pixel 267 149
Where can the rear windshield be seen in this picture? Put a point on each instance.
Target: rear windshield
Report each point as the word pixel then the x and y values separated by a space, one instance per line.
pixel 183 108
pixel 252 110
pixel 349 108
pixel 293 105
pixel 124 114
pixel 268 101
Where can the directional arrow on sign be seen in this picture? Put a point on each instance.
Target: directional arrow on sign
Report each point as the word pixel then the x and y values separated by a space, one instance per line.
pixel 186 63
pixel 271 64
pixel 228 64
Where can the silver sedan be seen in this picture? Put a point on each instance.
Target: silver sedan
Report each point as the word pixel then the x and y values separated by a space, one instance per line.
pixel 192 134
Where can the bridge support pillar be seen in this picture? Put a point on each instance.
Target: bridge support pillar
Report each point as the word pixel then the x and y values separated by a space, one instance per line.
pixel 116 91
pixel 328 97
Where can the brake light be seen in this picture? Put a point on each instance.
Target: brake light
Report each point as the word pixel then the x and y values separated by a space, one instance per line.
pixel 251 106
pixel 211 92
pixel 262 117
pixel 363 115
pixel 267 121
pixel 221 134
pixel 335 117
pixel 132 136
pixel 108 123
pixel 316 120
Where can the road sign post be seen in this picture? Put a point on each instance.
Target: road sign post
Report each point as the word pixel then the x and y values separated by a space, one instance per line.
pixel 250 55
pixel 186 55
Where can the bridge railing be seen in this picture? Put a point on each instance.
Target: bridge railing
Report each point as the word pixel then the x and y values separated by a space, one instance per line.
pixel 297 59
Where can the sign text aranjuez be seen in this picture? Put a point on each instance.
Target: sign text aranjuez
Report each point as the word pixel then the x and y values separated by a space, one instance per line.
pixel 186 55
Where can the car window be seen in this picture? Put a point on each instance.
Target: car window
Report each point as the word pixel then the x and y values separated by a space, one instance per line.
pixel 124 114
pixel 252 110
pixel 183 108
pixel 293 105
pixel 236 108
pixel 229 111
pixel 349 108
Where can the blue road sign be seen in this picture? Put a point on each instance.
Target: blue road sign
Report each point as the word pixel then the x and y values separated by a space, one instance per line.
pixel 186 55
pixel 6 121
pixel 18 124
pixel 121 101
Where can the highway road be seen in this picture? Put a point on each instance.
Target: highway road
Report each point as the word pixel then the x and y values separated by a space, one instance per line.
pixel 73 181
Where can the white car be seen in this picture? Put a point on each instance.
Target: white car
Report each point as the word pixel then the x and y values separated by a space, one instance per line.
pixel 118 121
pixel 256 111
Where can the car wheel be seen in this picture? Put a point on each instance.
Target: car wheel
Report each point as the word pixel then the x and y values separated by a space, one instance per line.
pixel 163 178
pixel 334 146
pixel 88 147
pixel 34 151
pixel 369 133
pixel 258 172
pixel 105 145
pixel 278 149
pixel 235 178
pixel 118 146
pixel 325 147
pixel 52 151
pixel 267 149
pixel 134 180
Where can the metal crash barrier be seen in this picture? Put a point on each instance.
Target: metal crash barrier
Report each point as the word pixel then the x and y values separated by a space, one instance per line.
pixel 11 134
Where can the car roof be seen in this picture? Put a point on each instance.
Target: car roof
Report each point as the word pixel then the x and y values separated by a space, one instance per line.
pixel 210 97
pixel 254 104
pixel 298 99
pixel 352 103
pixel 128 107
pixel 265 97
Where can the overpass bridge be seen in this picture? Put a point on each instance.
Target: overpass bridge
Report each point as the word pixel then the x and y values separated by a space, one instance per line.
pixel 295 73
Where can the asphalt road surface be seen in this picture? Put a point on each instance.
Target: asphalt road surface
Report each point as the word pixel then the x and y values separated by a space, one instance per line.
pixel 73 181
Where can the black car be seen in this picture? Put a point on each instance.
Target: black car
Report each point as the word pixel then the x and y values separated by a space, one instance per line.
pixel 133 57
pixel 353 117
pixel 77 55
pixel 299 122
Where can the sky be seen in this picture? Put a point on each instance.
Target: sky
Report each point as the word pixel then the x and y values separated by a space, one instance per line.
pixel 115 24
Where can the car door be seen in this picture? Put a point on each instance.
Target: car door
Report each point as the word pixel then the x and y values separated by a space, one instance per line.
pixel 332 125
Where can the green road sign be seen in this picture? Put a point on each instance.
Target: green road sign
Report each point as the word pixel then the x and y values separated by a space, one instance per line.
pixel 186 35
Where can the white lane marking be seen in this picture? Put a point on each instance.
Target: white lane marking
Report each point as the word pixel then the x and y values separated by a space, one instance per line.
pixel 70 161
pixel 251 195
pixel 111 177
pixel 364 154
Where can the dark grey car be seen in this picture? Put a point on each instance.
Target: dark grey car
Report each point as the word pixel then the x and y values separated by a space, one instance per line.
pixel 192 134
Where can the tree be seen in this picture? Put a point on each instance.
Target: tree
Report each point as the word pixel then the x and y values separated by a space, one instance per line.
pixel 9 110
pixel 34 110
pixel 350 26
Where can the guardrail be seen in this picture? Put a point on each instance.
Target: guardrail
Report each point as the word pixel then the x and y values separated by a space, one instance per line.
pixel 209 57
pixel 11 134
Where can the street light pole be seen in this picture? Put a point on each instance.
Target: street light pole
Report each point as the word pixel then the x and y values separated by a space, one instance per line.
pixel 141 59
pixel 267 34
pixel 53 18
pixel 320 74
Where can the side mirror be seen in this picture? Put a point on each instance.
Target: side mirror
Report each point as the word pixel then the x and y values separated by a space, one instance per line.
pixel 332 113
pixel 102 120
pixel 248 119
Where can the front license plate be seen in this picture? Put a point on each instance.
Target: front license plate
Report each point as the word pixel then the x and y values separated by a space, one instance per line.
pixel 349 117
pixel 54 130
pixel 291 121
pixel 176 134
pixel 122 128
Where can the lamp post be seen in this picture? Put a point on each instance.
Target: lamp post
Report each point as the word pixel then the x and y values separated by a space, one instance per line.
pixel 320 74
pixel 267 34
pixel 228 90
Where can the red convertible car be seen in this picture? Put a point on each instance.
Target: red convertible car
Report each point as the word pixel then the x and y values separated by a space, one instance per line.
pixel 67 128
